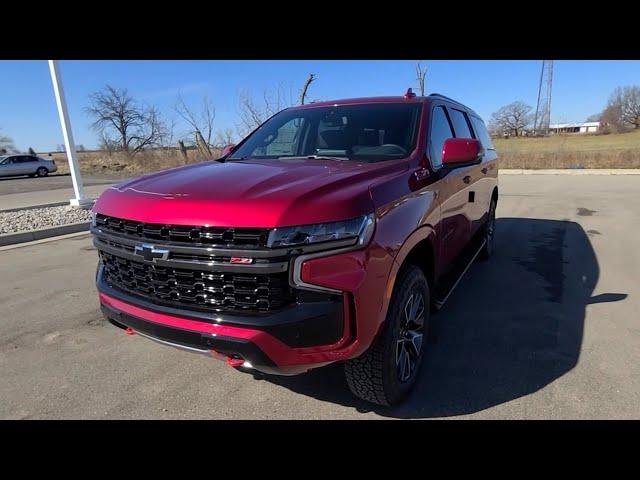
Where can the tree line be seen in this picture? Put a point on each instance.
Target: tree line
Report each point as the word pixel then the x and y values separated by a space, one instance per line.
pixel 622 113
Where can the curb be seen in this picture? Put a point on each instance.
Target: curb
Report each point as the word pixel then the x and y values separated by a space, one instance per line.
pixel 34 207
pixel 568 171
pixel 30 236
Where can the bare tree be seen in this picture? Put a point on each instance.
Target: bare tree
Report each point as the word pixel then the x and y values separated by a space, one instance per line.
pixel 512 118
pixel 122 121
pixel 421 73
pixel 252 114
pixel 305 87
pixel 201 123
pixel 6 144
pixel 225 137
pixel 624 103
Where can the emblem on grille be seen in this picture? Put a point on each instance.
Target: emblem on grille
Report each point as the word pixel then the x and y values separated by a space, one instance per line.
pixel 150 252
pixel 241 260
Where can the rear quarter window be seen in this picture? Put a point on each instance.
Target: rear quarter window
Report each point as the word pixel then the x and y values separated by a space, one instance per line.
pixel 481 132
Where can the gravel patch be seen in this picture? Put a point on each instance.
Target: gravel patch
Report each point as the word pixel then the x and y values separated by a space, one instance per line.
pixel 37 218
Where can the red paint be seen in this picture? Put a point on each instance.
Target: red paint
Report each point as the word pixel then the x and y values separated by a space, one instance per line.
pixel 234 362
pixel 227 150
pixel 414 206
pixel 460 150
pixel 281 354
pixel 241 260
pixel 260 193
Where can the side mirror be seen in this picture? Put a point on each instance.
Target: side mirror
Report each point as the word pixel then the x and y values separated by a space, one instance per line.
pixel 460 151
pixel 227 150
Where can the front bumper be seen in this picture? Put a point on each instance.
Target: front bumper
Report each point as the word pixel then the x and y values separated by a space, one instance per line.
pixel 339 305
pixel 291 341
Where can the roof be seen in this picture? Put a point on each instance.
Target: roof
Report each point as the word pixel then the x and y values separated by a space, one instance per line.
pixel 575 125
pixel 359 100
pixel 387 99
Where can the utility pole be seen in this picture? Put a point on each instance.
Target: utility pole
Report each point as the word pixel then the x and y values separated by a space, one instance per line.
pixel 76 178
pixel 543 107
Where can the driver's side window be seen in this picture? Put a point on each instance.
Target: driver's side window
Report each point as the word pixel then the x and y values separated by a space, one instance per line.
pixel 439 132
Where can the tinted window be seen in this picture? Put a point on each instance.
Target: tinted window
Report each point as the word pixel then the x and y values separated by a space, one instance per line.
pixel 481 133
pixel 440 131
pixel 368 132
pixel 460 124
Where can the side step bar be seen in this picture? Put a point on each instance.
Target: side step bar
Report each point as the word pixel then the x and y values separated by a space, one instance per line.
pixel 450 281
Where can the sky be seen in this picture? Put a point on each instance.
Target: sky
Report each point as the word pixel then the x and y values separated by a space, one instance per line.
pixel 29 116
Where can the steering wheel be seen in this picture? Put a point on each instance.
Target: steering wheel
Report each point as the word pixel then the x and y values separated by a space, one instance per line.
pixel 398 148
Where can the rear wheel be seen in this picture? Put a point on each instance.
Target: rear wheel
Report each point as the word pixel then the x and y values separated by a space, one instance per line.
pixel 42 172
pixel 387 372
pixel 489 233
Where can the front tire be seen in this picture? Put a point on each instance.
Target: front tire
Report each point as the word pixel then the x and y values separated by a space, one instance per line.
pixel 42 172
pixel 387 371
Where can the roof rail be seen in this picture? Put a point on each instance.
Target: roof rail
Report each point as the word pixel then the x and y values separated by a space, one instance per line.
pixel 443 96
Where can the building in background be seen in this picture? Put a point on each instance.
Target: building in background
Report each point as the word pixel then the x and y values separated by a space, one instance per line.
pixel 581 127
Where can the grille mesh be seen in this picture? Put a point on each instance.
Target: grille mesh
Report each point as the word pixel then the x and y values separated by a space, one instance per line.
pixel 215 291
pixel 227 236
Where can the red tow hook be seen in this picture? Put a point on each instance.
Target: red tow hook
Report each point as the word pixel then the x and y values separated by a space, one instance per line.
pixel 232 362
pixel 129 331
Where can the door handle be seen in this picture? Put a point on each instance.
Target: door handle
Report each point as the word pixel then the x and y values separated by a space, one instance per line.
pixel 485 170
pixel 467 179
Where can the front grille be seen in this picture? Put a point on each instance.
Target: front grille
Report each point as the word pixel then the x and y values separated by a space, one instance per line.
pixel 198 289
pixel 222 236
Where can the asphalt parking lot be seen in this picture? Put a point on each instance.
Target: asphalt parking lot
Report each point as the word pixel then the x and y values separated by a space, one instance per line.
pixel 549 328
pixel 23 184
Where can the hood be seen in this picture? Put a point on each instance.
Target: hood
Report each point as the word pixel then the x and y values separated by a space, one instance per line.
pixel 266 193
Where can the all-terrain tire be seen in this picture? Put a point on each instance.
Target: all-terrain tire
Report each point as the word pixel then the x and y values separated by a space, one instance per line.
pixel 375 375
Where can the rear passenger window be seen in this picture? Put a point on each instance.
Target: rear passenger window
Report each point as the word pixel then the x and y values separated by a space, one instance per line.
pixel 481 133
pixel 460 124
pixel 440 131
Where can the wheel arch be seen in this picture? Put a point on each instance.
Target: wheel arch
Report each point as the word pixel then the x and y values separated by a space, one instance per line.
pixel 419 249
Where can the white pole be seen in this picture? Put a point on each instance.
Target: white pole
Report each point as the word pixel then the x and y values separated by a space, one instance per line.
pixel 76 178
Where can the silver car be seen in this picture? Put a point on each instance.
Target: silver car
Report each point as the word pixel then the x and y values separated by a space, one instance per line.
pixel 12 165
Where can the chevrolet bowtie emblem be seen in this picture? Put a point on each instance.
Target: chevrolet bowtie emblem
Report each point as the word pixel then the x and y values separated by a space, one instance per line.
pixel 150 253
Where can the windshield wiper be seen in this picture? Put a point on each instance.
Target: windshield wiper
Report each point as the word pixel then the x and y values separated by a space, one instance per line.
pixel 316 157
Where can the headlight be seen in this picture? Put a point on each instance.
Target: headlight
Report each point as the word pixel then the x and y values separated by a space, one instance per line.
pixel 358 229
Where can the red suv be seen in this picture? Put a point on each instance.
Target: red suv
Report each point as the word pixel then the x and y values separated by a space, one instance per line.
pixel 329 234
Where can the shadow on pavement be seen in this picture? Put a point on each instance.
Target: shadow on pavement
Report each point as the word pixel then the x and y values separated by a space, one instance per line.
pixel 513 325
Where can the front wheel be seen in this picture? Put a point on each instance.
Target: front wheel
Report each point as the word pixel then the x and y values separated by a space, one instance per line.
pixel 387 372
pixel 42 172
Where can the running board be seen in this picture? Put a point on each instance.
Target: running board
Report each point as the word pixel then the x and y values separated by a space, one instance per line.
pixel 450 281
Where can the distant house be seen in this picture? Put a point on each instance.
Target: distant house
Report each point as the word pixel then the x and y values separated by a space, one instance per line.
pixel 582 127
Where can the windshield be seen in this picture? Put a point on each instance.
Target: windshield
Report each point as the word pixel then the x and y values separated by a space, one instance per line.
pixel 366 132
